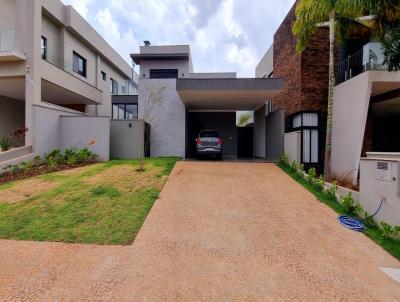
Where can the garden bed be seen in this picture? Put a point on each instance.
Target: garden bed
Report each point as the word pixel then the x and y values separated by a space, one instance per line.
pixel 36 170
pixel 383 234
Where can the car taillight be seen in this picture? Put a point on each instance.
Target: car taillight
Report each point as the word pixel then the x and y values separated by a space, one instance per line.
pixel 219 141
pixel 198 141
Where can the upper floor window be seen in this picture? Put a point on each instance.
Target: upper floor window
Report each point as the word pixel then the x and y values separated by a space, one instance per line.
pixel 103 76
pixel 163 73
pixel 43 48
pixel 79 64
pixel 123 89
pixel 113 87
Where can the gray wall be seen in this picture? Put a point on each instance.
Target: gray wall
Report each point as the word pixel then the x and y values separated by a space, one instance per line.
pixel 12 115
pixel 80 131
pixel 259 133
pixel 46 127
pixel 126 139
pixel 224 122
pixel 167 119
pixel 274 135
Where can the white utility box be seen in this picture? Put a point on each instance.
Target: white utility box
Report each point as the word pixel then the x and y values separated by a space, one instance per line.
pixel 380 180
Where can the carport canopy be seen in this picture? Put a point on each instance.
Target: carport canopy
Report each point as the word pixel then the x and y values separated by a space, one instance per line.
pixel 234 94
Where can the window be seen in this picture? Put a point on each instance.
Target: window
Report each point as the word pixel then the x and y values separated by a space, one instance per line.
pixel 308 124
pixel 79 64
pixel 113 87
pixel 123 89
pixel 43 48
pixel 163 73
pixel 103 76
pixel 124 111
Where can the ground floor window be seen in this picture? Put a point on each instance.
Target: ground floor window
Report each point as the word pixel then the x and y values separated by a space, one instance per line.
pixel 124 111
pixel 308 124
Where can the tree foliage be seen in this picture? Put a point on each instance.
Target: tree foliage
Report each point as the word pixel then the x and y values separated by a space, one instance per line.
pixel 381 17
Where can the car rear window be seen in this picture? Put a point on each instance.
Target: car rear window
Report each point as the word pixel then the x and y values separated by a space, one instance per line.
pixel 208 134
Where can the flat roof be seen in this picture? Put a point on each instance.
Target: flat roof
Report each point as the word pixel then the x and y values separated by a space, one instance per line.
pixel 137 57
pixel 240 94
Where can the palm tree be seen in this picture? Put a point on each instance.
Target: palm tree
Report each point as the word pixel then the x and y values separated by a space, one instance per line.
pixel 340 15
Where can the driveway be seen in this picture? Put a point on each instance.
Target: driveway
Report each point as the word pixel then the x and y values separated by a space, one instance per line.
pixel 219 232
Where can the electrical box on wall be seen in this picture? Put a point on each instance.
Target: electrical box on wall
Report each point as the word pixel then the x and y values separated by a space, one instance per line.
pixel 383 171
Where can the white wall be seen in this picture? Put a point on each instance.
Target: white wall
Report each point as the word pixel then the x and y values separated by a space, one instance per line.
pixel 372 191
pixel 168 118
pixel 266 64
pixel 292 145
pixel 46 134
pixel 350 110
pixel 259 133
pixel 80 131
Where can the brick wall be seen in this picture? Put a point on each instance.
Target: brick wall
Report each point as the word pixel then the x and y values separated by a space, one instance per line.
pixel 287 65
pixel 305 74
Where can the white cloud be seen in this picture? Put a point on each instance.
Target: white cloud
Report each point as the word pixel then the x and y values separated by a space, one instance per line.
pixel 81 6
pixel 224 35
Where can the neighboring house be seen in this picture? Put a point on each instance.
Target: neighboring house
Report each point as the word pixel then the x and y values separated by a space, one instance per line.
pixel 187 102
pixel 366 106
pixel 59 78
pixel 304 96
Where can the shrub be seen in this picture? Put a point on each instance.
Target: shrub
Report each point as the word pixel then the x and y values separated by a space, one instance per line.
pixel 387 230
pixel 54 158
pixel 5 143
pixel 369 220
pixel 311 175
pixel 319 183
pixel 349 205
pixel 293 166
pixel 284 160
pixel 74 156
pixel 332 190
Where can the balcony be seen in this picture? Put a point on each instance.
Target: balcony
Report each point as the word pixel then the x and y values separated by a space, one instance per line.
pixel 7 47
pixel 370 57
pixel 60 86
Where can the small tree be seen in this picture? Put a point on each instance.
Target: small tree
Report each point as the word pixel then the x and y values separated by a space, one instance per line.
pixel 152 99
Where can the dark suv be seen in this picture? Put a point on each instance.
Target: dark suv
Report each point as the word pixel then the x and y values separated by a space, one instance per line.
pixel 209 143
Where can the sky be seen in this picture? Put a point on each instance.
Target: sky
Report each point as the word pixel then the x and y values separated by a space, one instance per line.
pixel 224 35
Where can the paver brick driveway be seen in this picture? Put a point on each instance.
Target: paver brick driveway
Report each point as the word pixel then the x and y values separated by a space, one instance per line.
pixel 219 232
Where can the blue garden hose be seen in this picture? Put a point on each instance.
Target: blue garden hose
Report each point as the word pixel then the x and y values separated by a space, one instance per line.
pixel 355 224
pixel 351 223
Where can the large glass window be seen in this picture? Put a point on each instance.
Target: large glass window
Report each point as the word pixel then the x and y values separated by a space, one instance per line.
pixel 43 48
pixel 79 64
pixel 124 111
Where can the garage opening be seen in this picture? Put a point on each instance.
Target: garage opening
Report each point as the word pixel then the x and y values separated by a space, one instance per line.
pixel 237 142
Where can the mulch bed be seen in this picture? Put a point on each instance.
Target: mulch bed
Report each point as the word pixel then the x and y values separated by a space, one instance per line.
pixel 37 170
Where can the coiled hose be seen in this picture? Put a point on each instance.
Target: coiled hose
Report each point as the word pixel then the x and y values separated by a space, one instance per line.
pixel 354 223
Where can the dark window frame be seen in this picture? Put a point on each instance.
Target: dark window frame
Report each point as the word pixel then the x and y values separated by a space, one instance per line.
pixel 157 73
pixel 76 58
pixel 301 128
pixel 43 48
pixel 125 104
pixel 103 76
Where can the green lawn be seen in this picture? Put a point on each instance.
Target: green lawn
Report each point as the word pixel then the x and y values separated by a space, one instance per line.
pixel 104 203
pixel 372 231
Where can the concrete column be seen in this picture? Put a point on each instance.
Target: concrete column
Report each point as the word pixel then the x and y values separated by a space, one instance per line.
pixel 28 16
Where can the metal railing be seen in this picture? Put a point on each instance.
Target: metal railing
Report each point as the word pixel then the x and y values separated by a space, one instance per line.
pixel 369 58
pixel 7 40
